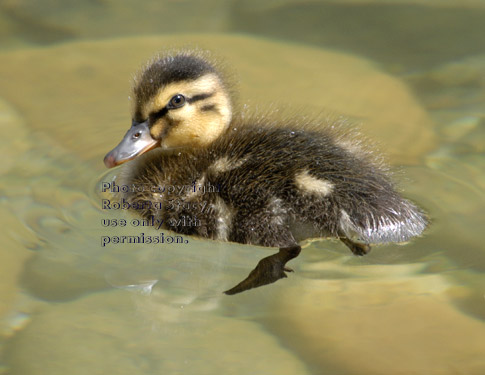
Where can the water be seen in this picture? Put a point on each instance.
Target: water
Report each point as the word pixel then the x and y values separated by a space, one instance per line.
pixel 71 305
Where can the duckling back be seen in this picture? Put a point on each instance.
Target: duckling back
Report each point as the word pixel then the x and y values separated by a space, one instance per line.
pixel 311 179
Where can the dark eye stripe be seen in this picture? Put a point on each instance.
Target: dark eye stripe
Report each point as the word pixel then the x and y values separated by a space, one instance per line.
pixel 209 107
pixel 155 116
pixel 200 97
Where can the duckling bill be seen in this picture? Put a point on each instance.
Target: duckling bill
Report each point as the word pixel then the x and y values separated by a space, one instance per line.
pixel 278 183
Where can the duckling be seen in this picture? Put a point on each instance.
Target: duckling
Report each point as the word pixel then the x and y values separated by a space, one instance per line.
pixel 273 184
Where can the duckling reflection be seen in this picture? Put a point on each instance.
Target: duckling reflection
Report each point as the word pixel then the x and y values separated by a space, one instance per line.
pixel 279 182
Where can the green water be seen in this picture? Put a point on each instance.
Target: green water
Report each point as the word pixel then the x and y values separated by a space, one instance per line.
pixel 410 76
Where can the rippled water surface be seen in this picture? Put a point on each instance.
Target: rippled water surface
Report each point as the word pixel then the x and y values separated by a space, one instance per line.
pixel 70 304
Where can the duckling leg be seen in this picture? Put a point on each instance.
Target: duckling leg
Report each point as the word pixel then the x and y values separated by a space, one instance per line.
pixel 268 270
pixel 357 248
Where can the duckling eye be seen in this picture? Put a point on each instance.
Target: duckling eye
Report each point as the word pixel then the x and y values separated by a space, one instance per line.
pixel 177 101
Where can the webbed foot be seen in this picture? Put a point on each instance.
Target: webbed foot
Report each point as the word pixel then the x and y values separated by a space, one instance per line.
pixel 356 247
pixel 268 270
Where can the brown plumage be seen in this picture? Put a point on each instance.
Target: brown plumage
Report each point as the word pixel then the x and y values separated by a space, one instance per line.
pixel 250 179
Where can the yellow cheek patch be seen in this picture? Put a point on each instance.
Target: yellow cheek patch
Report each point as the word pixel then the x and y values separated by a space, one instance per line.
pixel 193 127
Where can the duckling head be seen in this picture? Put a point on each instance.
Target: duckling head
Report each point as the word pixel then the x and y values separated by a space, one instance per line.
pixel 180 100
